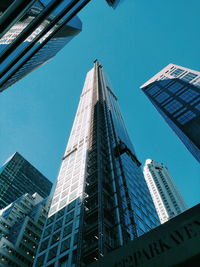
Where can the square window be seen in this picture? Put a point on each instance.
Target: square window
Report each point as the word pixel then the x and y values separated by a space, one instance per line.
pixel 71 205
pixel 65 245
pixel 67 230
pixel 52 253
pixel 69 216
pixel 55 238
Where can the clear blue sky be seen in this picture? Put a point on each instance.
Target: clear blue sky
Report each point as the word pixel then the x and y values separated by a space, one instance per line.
pixel 133 43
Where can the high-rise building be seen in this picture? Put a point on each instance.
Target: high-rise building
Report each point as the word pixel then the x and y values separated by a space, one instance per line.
pixel 175 92
pixel 32 32
pixel 21 225
pixel 17 177
pixel 32 40
pixel 165 195
pixel 101 200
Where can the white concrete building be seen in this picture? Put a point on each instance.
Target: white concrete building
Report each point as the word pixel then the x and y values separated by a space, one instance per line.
pixel 165 195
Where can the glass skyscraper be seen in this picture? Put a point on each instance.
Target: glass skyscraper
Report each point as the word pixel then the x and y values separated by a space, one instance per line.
pixel 166 197
pixel 32 32
pixel 17 177
pixel 101 200
pixel 38 34
pixel 175 92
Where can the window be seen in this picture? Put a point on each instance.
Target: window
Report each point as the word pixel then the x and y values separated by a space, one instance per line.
pixel 50 219
pixel 153 90
pixel 69 217
pixel 55 200
pixel 179 112
pixel 188 77
pixel 60 213
pixel 44 245
pixel 40 260
pixel 58 224
pixel 55 237
pixel 47 231
pixel 67 230
pixel 65 245
pixel 176 72
pixel 175 86
pixel 188 95
pixel 63 261
pixel 63 202
pixel 74 186
pixel 53 209
pixel 173 106
pixel 183 119
pixel 161 97
pixel 65 193
pixel 52 253
pixel 71 205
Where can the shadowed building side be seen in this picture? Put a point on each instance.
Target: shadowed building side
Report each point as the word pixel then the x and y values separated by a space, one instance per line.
pixel 175 92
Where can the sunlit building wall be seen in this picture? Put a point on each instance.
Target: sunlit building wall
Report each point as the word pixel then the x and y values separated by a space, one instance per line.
pixel 101 200
pixel 165 195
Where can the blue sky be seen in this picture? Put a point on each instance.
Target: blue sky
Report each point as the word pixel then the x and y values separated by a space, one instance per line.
pixel 133 42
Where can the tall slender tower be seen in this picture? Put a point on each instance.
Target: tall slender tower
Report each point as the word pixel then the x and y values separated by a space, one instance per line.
pixel 101 199
pixel 175 92
pixel 165 195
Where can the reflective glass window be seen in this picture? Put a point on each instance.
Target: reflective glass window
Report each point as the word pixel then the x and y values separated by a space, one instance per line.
pixel 173 106
pixel 161 97
pixel 67 230
pixel 174 87
pixel 65 245
pixel 52 253
pixel 155 89
pixel 188 95
pixel 186 117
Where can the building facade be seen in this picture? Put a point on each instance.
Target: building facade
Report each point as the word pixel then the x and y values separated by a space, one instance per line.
pixel 101 200
pixel 21 225
pixel 175 92
pixel 32 32
pixel 38 34
pixel 17 177
pixel 165 195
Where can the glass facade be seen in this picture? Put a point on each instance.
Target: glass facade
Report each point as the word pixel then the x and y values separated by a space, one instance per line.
pixel 175 92
pixel 17 177
pixel 101 200
pixel 36 36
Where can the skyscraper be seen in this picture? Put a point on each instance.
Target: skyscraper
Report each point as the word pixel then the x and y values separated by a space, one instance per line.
pixel 34 38
pixel 32 32
pixel 21 225
pixel 17 177
pixel 165 195
pixel 175 92
pixel 101 200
